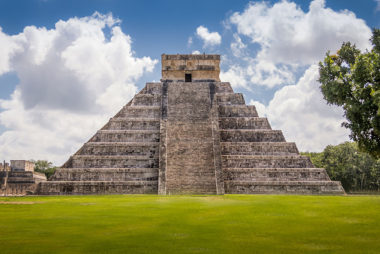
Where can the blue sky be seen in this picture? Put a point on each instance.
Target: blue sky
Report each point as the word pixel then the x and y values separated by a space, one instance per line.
pixel 269 51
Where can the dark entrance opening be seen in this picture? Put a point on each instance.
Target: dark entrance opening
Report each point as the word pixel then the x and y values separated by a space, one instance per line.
pixel 187 77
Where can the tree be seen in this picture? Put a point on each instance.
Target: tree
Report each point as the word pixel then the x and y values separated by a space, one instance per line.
pixel 45 167
pixel 351 79
pixel 357 171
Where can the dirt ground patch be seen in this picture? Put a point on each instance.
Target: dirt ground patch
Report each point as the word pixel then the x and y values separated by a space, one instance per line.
pixel 19 202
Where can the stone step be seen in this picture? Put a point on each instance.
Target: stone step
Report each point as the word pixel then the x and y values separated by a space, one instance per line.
pixel 105 174
pixel 264 161
pixel 223 87
pixel 20 173
pixel 123 123
pixel 244 123
pixel 230 99
pixel 276 174
pixel 283 187
pixel 192 189
pixel 97 187
pixel 114 161
pixel 153 88
pixel 120 148
pixel 237 111
pixel 258 148
pixel 140 111
pixel 20 180
pixel 245 135
pixel 146 100
pixel 126 136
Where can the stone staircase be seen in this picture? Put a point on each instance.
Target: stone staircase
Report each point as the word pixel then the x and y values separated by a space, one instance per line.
pixel 122 157
pixel 257 159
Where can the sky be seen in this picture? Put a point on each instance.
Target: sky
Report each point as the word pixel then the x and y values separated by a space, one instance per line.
pixel 66 67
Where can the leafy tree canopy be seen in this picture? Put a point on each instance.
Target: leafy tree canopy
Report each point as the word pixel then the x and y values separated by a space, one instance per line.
pixel 45 167
pixel 351 79
pixel 357 171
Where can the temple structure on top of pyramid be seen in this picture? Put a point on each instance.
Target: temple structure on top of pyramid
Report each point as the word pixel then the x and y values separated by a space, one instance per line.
pixel 188 134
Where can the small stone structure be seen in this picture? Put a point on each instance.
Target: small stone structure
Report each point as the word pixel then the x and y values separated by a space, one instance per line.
pixel 19 179
pixel 188 134
pixel 22 165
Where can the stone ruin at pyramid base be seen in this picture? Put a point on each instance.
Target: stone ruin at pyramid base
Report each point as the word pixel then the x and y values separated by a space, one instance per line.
pixel 188 134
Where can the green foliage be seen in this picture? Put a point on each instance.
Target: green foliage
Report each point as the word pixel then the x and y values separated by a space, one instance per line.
pixel 45 167
pixel 351 79
pixel 357 171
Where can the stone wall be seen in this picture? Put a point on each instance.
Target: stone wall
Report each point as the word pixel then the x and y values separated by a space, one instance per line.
pixel 201 67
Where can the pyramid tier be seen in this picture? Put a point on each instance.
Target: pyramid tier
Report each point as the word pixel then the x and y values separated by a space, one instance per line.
pixel 223 87
pixel 237 111
pixel 97 187
pixel 126 136
pixel 258 148
pixel 153 88
pixel 276 174
pixel 105 174
pixel 283 187
pixel 147 99
pixel 20 177
pixel 244 123
pixel 264 161
pixel 120 148
pixel 230 99
pixel 140 111
pixel 123 123
pixel 245 135
pixel 119 161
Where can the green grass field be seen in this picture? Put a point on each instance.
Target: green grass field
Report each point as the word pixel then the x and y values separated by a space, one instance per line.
pixel 190 224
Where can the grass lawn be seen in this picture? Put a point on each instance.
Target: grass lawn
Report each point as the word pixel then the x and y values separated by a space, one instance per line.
pixel 190 224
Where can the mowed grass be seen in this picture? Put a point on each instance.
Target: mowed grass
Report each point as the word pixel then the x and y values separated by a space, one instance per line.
pixel 190 224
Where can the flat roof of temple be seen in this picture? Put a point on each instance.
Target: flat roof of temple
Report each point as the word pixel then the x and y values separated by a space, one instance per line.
pixel 190 57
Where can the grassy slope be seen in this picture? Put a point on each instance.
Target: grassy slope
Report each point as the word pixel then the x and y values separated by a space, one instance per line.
pixel 191 224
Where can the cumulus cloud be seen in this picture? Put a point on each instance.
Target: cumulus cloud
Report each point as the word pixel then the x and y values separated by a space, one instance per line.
pixel 237 46
pixel 286 34
pixel 209 38
pixel 72 78
pixel 302 114
pixel 288 37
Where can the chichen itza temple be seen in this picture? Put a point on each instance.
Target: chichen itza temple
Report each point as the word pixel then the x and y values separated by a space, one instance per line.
pixel 188 134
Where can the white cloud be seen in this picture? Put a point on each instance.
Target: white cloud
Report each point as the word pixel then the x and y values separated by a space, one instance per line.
pixel 7 49
pixel 237 46
pixel 303 115
pixel 209 38
pixel 72 79
pixel 286 34
pixel 236 75
pixel 261 73
pixel 196 52
pixel 289 37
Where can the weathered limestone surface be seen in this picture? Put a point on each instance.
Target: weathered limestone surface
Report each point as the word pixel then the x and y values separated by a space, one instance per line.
pixel 190 163
pixel 201 67
pixel 18 183
pixel 198 137
pixel 122 157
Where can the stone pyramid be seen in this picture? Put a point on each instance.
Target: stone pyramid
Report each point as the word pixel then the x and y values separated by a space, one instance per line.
pixel 188 134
